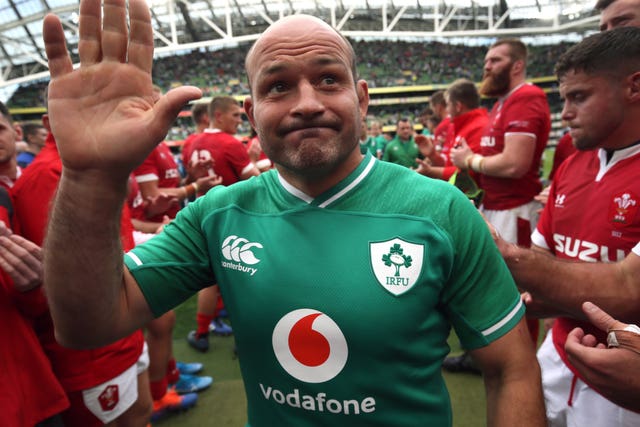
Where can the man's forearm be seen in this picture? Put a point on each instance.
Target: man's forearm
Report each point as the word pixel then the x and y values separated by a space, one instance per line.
pixel 515 401
pixel 83 260
pixel 567 284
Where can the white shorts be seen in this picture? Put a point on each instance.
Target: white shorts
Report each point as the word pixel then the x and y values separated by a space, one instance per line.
pixel 515 225
pixel 581 406
pixel 112 398
pixel 143 361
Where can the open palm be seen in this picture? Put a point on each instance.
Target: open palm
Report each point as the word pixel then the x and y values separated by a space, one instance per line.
pixel 105 115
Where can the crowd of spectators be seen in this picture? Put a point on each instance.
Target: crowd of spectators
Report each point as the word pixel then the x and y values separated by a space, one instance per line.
pixel 382 63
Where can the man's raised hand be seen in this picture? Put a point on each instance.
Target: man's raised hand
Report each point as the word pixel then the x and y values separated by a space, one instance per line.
pixel 104 115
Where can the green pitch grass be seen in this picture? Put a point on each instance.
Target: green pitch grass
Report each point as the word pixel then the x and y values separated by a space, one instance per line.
pixel 224 404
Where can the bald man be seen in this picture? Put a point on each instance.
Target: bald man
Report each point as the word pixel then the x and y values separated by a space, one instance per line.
pixel 303 327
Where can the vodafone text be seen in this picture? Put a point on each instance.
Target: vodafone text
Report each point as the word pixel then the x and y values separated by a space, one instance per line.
pixel 586 251
pixel 319 402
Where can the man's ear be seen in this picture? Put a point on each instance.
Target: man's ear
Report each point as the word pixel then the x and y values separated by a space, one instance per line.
pixel 634 86
pixel 17 128
pixel 45 122
pixel 517 67
pixel 362 90
pixel 248 109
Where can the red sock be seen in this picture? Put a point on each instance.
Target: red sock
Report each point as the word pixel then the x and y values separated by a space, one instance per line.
pixel 173 374
pixel 158 388
pixel 203 321
pixel 219 305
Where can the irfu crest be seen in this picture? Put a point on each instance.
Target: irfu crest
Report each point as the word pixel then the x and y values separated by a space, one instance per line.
pixel 396 258
pixel 397 264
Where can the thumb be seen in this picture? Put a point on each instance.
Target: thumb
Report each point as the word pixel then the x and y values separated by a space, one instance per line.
pixel 600 318
pixel 167 108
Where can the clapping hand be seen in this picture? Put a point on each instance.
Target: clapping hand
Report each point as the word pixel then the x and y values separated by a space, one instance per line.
pixel 460 153
pixel 21 259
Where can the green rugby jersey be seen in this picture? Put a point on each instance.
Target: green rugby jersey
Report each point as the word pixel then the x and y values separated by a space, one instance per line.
pixel 341 304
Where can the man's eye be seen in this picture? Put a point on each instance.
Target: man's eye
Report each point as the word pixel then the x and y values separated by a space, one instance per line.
pixel 329 80
pixel 278 87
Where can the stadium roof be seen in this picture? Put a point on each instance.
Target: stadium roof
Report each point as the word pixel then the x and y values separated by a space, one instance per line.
pixel 184 25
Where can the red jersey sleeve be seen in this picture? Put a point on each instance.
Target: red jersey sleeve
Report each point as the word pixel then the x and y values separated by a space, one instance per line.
pixel 237 156
pixel 527 114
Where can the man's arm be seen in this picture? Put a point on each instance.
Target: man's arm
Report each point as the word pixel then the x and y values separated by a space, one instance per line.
pixel 93 299
pixel 249 172
pixel 512 380
pixel 513 162
pixel 567 284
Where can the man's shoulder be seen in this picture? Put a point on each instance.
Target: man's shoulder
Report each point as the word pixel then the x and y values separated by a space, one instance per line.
pixel 219 138
pixel 239 190
pixel 394 176
pixel 528 90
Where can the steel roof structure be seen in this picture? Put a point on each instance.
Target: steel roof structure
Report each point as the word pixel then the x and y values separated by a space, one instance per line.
pixel 184 25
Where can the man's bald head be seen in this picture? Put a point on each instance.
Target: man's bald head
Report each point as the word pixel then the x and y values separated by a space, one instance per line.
pixel 291 27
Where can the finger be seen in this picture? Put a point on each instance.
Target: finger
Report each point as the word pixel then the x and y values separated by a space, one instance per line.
pixel 56 47
pixel 167 109
pixel 21 260
pixel 31 248
pixel 600 318
pixel 575 336
pixel 4 230
pixel 13 266
pixel 589 340
pixel 115 34
pixel 141 41
pixel 89 45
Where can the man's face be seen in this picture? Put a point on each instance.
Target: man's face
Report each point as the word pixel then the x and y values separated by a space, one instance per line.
pixel 305 105
pixel 375 129
pixel 229 120
pixel 593 108
pixel 38 137
pixel 620 13
pixel 452 106
pixel 7 140
pixel 496 79
pixel 404 130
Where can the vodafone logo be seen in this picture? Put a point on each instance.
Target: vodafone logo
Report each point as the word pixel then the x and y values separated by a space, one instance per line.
pixel 310 346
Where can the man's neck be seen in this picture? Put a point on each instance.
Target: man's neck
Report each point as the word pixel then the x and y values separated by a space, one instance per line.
pixel 9 169
pixel 516 82
pixel 315 184
pixel 34 149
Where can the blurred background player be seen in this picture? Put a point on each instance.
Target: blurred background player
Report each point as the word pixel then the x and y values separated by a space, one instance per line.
pixel 511 147
pixel 402 149
pixel 35 135
pixel 230 159
pixel 32 392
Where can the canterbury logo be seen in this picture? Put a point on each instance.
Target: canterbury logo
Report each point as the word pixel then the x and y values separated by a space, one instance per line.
pixel 239 249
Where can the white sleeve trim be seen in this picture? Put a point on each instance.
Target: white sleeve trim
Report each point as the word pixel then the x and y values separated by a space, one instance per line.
pixel 636 249
pixel 538 239
pixel 505 320
pixel 147 177
pixel 529 134
pixel 246 168
pixel 134 258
